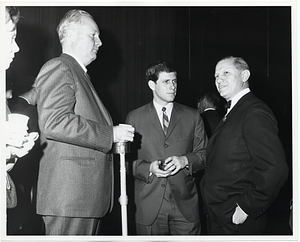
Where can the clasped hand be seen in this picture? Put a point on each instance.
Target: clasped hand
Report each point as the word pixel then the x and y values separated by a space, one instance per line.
pixel 173 165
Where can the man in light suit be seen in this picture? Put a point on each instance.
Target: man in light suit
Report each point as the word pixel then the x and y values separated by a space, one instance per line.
pixel 75 184
pixel 166 199
pixel 246 164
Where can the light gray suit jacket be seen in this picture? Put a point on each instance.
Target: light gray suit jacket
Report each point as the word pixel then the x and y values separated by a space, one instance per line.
pixel 76 170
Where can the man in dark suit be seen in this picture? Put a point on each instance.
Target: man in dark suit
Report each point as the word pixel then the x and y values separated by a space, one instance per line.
pixel 246 164
pixel 207 106
pixel 75 184
pixel 166 199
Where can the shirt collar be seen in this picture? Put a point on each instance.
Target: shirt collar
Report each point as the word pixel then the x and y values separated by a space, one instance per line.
pixel 159 107
pixel 207 109
pixel 238 96
pixel 78 60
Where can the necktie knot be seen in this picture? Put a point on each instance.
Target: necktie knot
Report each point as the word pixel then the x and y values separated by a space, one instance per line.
pixel 228 105
pixel 164 109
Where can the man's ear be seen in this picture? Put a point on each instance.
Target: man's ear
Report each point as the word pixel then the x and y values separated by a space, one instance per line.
pixel 245 75
pixel 151 84
pixel 72 35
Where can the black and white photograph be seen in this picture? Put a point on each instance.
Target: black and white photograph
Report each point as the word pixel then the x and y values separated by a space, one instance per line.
pixel 139 120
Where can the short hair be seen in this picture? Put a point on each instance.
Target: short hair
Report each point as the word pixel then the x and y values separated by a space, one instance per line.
pixel 12 13
pixel 211 97
pixel 238 62
pixel 72 18
pixel 153 70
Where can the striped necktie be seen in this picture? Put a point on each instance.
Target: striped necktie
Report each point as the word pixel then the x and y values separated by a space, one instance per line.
pixel 165 120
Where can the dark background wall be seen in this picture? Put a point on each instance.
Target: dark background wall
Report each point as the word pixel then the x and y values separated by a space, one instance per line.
pixel 192 38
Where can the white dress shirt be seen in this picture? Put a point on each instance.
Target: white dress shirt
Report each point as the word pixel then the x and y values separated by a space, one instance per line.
pixel 169 108
pixel 237 97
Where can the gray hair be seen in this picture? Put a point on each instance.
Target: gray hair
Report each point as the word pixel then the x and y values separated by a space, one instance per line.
pixel 72 18
pixel 238 62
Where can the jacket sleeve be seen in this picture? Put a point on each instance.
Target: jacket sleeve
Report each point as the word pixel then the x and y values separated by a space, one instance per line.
pixel 30 96
pixel 268 158
pixel 197 158
pixel 56 102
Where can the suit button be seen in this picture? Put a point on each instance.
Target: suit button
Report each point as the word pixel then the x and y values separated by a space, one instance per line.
pixel 163 185
pixel 166 145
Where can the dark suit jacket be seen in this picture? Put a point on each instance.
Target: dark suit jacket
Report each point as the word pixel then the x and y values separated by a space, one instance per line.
pixel 76 170
pixel 185 136
pixel 210 118
pixel 245 162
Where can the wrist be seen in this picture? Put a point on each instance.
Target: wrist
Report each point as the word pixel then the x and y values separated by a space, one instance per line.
pixel 186 162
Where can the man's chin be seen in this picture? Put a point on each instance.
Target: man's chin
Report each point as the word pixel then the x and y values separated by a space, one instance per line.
pixel 171 99
pixel 7 65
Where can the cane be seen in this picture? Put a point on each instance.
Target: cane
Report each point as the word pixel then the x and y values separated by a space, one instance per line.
pixel 122 148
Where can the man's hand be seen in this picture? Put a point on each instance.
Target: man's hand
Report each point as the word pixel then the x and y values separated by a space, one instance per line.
pixel 24 150
pixel 26 147
pixel 239 215
pixel 123 133
pixel 154 169
pixel 175 164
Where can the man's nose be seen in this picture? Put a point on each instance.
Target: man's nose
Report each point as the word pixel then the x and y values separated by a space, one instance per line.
pixel 173 85
pixel 218 79
pixel 98 42
pixel 16 47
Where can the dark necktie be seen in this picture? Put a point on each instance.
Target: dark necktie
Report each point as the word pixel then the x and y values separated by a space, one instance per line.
pixel 165 120
pixel 228 105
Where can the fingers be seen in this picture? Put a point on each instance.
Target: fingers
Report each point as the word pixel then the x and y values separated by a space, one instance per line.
pixel 19 152
pixel 127 127
pixel 173 165
pixel 33 136
pixel 123 132
pixel 154 168
pixel 129 135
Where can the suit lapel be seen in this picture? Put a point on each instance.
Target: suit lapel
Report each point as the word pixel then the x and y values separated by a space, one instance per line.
pixel 99 102
pixel 174 119
pixel 219 126
pixel 153 117
pixel 230 116
pixel 100 105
